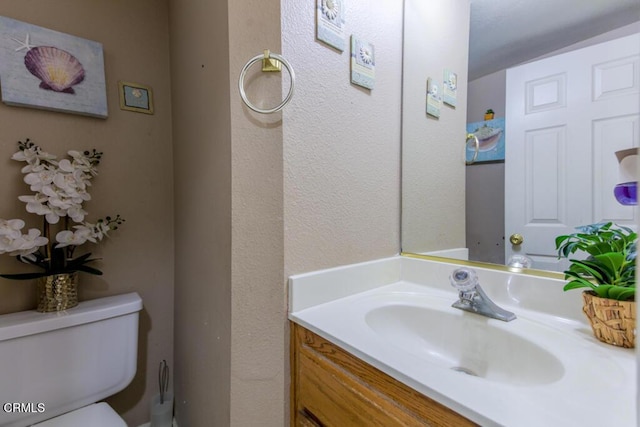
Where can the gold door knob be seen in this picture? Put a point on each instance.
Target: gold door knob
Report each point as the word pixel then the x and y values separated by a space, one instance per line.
pixel 516 239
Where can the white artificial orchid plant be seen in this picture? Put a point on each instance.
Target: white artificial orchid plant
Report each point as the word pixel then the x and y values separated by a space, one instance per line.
pixel 60 187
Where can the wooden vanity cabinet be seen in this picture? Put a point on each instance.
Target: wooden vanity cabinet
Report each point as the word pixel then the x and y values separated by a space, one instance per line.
pixel 331 387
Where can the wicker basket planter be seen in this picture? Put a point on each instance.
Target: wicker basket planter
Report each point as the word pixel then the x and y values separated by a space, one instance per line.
pixel 613 322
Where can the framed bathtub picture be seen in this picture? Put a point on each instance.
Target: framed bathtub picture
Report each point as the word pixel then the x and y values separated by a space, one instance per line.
pixel 491 143
pixel 45 69
pixel 136 97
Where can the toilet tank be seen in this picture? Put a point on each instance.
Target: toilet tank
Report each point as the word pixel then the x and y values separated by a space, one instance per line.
pixel 53 363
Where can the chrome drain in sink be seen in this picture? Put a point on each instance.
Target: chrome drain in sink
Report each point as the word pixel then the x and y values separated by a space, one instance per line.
pixel 464 371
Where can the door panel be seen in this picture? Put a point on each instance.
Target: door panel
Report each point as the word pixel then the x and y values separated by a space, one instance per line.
pixel 566 117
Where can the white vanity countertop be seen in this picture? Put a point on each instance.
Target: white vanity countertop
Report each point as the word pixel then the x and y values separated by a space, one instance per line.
pixel 585 383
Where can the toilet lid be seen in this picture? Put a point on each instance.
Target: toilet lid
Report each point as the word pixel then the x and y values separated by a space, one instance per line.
pixel 95 415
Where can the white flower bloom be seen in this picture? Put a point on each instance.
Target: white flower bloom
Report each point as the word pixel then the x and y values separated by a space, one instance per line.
pixel 82 162
pixel 66 166
pixel 37 180
pixel 32 168
pixel 53 217
pixel 36 204
pixel 11 227
pixel 101 229
pixel 66 238
pixel 60 187
pixel 8 243
pixel 33 240
pixel 21 244
pixel 29 155
pixel 74 238
pixel 34 157
pixel 39 204
pixel 59 190
pixel 76 213
pixel 65 182
pixel 51 192
pixel 85 232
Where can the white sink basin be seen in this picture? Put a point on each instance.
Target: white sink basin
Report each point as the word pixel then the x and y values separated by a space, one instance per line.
pixel 544 368
pixel 465 342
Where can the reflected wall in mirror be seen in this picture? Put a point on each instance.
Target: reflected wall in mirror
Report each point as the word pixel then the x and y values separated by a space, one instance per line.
pixel 476 226
pixel 436 38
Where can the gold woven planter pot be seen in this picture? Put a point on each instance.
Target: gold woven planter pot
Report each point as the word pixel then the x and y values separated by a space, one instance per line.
pixel 613 322
pixel 57 292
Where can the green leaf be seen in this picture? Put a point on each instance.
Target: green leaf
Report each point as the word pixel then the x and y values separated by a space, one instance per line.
pixel 612 260
pixel 589 268
pixel 579 282
pixel 603 290
pixel 620 292
pixel 627 294
pixel 603 248
pixel 605 268
pixel 81 261
pixel 628 277
pixel 82 258
pixel 89 270
pixel 40 263
pixel 24 276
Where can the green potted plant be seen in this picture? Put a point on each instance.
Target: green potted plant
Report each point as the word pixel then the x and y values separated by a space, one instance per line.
pixel 488 115
pixel 608 273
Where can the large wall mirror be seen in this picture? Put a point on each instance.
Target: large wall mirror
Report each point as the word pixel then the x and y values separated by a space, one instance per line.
pixel 502 37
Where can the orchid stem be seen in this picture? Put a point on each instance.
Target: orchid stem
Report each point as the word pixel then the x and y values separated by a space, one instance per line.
pixel 69 249
pixel 47 232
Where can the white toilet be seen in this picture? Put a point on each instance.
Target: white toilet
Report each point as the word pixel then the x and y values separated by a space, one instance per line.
pixel 55 366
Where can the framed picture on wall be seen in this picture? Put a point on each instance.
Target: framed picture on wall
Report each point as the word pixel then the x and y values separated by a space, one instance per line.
pixel 363 63
pixel 49 70
pixel 490 134
pixel 330 22
pixel 434 98
pixel 136 97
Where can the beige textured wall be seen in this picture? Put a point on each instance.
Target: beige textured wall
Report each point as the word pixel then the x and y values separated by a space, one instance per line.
pixel 258 342
pixel 341 141
pixel 135 177
pixel 433 169
pixel 359 222
pixel 202 159
pixel 230 295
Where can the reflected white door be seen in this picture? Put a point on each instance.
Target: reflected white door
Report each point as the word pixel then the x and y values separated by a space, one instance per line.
pixel 566 116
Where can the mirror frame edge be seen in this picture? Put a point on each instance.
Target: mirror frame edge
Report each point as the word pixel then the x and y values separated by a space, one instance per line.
pixel 486 265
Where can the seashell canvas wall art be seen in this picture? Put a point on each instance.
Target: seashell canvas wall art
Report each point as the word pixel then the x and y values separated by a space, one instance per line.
pixel 57 69
pixel 46 69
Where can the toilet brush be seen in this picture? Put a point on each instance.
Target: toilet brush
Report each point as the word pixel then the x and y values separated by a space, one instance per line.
pixel 162 403
pixel 163 379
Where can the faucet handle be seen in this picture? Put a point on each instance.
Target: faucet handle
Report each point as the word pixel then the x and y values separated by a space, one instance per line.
pixel 519 261
pixel 464 279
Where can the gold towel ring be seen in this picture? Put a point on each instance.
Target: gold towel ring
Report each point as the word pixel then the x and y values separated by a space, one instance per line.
pixel 266 56
pixel 476 145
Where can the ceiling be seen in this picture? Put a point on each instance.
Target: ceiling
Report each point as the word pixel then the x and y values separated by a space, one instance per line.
pixel 508 32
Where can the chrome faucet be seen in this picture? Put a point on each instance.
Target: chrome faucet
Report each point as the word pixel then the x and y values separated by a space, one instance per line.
pixel 472 298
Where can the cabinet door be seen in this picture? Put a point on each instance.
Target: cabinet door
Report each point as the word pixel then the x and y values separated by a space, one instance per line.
pixel 334 388
pixel 305 419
